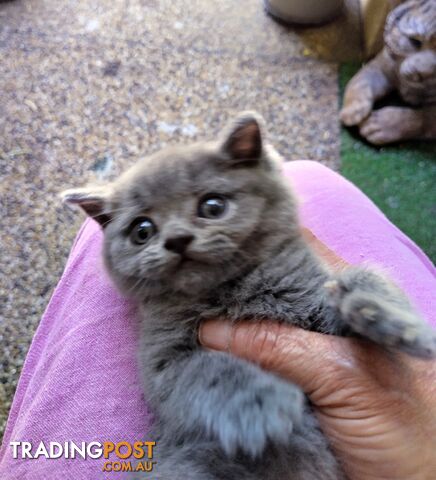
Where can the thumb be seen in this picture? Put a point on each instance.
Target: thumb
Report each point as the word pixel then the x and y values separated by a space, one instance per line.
pixel 312 360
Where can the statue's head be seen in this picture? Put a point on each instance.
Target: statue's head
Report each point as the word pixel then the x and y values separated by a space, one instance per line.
pixel 410 38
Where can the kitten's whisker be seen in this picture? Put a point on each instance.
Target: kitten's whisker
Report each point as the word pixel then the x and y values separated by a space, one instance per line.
pixel 136 285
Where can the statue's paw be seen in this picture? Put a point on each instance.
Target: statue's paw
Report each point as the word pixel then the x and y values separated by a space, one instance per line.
pixel 391 124
pixel 356 111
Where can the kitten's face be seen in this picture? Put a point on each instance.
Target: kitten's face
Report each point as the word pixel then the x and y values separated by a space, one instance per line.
pixel 410 37
pixel 189 218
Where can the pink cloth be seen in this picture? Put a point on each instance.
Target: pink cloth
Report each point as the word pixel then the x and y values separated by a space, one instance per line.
pixel 79 381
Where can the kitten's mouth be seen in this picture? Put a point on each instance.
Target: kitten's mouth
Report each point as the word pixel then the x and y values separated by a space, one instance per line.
pixel 184 260
pixel 189 260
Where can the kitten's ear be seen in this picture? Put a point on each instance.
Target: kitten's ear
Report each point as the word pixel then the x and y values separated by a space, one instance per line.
pixel 242 140
pixel 93 200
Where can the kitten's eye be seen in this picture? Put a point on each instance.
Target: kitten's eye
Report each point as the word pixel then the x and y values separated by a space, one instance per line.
pixel 416 42
pixel 142 230
pixel 212 206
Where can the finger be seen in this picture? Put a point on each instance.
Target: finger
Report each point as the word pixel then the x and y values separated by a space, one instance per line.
pixel 314 361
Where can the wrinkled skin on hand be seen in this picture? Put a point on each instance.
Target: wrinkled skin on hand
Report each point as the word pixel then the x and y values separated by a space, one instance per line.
pixel 407 64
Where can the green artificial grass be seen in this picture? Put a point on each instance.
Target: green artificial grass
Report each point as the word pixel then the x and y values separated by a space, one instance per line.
pixel 401 179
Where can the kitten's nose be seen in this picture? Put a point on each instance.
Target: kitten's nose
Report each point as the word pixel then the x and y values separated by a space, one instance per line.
pixel 178 244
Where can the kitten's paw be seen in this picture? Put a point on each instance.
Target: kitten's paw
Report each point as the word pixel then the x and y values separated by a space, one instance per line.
pixel 387 324
pixel 355 111
pixel 266 412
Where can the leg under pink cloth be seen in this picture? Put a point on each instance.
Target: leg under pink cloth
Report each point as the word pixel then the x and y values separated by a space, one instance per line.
pixel 79 382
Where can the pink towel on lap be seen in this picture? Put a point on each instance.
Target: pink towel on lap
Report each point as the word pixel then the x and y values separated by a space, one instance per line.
pixel 80 383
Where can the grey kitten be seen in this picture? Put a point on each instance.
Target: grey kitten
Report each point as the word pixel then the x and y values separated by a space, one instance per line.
pixel 212 230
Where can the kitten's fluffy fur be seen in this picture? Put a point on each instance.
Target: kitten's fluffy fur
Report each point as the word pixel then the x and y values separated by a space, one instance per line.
pixel 220 417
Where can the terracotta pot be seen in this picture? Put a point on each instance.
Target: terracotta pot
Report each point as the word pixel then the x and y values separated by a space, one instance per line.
pixel 304 11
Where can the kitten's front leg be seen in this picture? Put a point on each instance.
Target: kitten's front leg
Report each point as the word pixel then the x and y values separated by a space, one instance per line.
pixel 366 303
pixel 225 398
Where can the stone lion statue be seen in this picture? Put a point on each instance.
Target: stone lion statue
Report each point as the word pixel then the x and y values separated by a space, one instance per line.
pixel 406 64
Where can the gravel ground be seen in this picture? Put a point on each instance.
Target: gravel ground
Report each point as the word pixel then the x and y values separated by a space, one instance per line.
pixel 88 86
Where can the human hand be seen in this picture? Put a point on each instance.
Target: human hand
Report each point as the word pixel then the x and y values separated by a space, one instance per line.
pixel 377 408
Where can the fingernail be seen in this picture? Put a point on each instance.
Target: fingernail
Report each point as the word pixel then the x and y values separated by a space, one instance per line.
pixel 215 334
